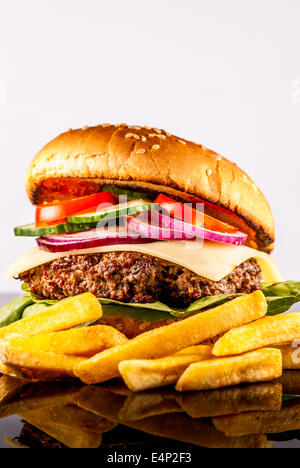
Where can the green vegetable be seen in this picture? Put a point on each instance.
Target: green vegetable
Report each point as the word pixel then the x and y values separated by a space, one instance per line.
pixel 282 296
pixel 131 195
pixel 34 309
pixel 13 311
pixel 114 212
pixel 30 230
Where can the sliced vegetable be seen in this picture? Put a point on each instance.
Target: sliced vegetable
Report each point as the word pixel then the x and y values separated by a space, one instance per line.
pixel 187 213
pixel 130 194
pixel 30 230
pixel 89 239
pixel 172 229
pixel 58 212
pixel 112 212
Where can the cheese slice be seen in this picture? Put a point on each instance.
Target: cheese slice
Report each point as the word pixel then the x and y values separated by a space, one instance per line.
pixel 208 259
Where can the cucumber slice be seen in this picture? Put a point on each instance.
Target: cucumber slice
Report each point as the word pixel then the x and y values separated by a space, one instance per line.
pixel 30 230
pixel 117 211
pixel 128 193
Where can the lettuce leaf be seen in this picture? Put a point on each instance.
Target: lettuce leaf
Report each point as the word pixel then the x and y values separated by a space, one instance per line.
pixel 282 296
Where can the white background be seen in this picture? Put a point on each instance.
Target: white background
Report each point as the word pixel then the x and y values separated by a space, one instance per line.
pixel 225 73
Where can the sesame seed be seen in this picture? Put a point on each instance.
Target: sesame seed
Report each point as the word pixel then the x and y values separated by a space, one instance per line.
pixel 157 130
pixel 155 147
pixel 153 135
pixel 255 187
pixel 169 134
pixel 147 128
pixel 143 138
pixel 141 151
pixel 70 130
pixel 182 142
pixel 85 127
pixel 203 148
pixel 136 128
pixel 106 125
pixel 219 158
pixel 123 125
pixel 129 135
pixel 136 136
pixel 209 172
pixel 162 137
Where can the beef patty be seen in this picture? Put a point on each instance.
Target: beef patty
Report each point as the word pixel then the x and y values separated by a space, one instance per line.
pixel 134 277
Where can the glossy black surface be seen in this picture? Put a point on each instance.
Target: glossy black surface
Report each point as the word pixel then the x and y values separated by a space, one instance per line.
pixel 150 422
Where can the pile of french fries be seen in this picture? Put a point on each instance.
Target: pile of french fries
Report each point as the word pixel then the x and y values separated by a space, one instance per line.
pixel 249 347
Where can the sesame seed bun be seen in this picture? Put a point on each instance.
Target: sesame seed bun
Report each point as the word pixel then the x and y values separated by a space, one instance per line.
pixel 79 162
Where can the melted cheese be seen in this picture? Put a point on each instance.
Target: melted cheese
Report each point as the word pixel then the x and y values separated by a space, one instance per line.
pixel 209 259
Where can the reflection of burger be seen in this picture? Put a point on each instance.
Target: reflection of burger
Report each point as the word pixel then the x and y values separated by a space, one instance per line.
pixel 76 181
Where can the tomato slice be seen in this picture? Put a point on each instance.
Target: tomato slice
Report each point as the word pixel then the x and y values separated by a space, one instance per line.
pixel 191 215
pixel 48 214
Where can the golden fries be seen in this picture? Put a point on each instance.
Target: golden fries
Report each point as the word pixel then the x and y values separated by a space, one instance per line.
pixel 261 422
pixel 84 342
pixel 290 355
pixel 258 366
pixel 267 331
pixel 172 338
pixel 208 404
pixel 64 315
pixel 141 375
pixel 38 365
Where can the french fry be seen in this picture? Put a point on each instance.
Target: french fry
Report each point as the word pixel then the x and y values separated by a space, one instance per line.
pixel 261 422
pixel 151 403
pixel 170 339
pixel 290 355
pixel 64 315
pixel 257 366
pixel 83 342
pixel 38 365
pixel 267 331
pixel 209 404
pixel 171 426
pixel 141 375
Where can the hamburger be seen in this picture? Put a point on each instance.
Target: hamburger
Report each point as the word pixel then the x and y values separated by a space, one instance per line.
pixel 155 226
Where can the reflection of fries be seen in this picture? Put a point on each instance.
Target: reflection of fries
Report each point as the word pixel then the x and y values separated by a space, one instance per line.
pixel 40 396
pixel 141 375
pixel 260 397
pixel 267 331
pixel 86 341
pixel 172 426
pixel 64 315
pixel 258 366
pixel 290 381
pixel 10 388
pixel 290 356
pixel 38 365
pixel 261 422
pixel 144 405
pixel 70 435
pixel 172 338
